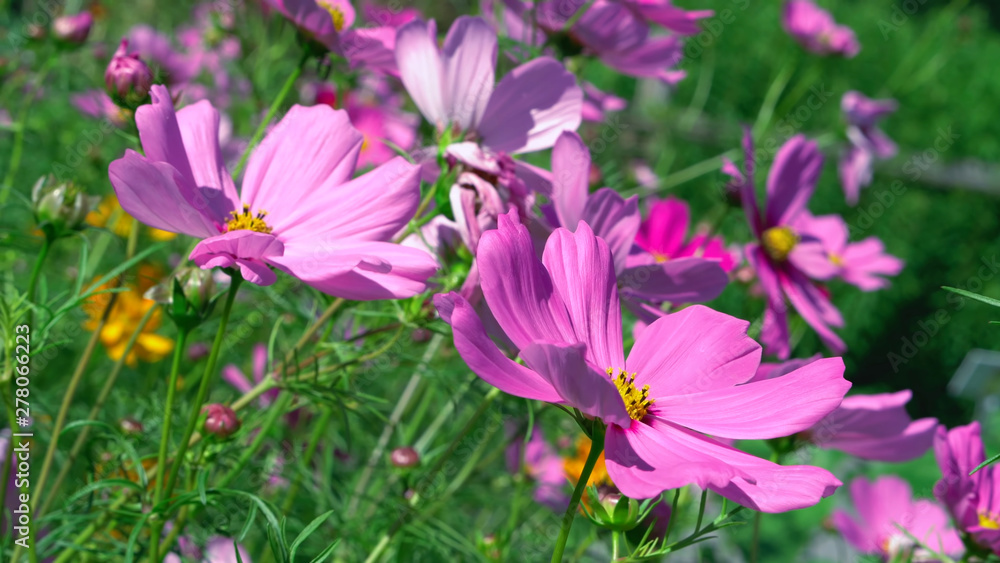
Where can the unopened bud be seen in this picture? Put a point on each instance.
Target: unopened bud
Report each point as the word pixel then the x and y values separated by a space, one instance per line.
pixel 127 78
pixel 187 295
pixel 405 457
pixel 130 426
pixel 220 420
pixel 73 29
pixel 60 207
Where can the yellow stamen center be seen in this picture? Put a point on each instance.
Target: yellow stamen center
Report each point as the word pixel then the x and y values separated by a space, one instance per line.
pixel 837 260
pixel 637 401
pixel 660 258
pixel 336 14
pixel 779 242
pixel 245 221
pixel 989 521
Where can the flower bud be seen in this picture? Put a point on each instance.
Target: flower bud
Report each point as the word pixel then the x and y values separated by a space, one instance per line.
pixel 220 420
pixel 73 29
pixel 130 426
pixel 60 207
pixel 187 295
pixel 405 457
pixel 127 78
pixel 612 510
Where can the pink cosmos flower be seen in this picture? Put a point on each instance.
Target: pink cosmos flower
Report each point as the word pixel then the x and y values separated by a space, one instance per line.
pixel 97 103
pixel 815 29
pixel 176 68
pixel 664 235
pixel 299 211
pixel 875 427
pixel 972 500
pixel 860 263
pixel 235 377
pixel 73 28
pixel 319 20
pixel 883 508
pixel 643 277
pixel 682 379
pixel 454 89
pixel 867 141
pixel 618 33
pixel 663 12
pixel 377 113
pixel 783 257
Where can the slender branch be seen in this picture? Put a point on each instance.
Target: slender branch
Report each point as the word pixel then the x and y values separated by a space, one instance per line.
pixel 596 448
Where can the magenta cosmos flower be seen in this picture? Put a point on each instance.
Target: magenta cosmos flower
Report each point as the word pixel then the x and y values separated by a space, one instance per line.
pixel 783 257
pixel 815 29
pixel 646 280
pixel 973 500
pixel 319 20
pixel 883 508
pixel 664 235
pixel 454 88
pixel 875 427
pixel 862 264
pixel 299 210
pixel 867 141
pixel 682 379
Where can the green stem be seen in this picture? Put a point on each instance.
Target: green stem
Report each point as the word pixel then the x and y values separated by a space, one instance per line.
pixel 614 545
pixel 596 447
pixel 317 434
pixel 203 386
pixel 22 120
pixel 277 409
pixel 275 106
pixel 771 97
pixel 756 538
pixel 109 384
pixel 37 269
pixel 161 457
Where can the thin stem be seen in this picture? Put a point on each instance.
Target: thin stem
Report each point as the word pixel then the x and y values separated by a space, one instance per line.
pixel 22 120
pixel 596 448
pixel 614 545
pixel 275 106
pixel 74 382
pixel 109 383
pixel 168 411
pixel 206 378
pixel 755 545
pixel 701 509
pixel 277 409
pixel 317 434
pixel 772 95
pixel 37 269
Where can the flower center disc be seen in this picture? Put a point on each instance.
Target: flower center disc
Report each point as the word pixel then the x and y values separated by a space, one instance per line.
pixel 989 521
pixel 245 221
pixel 336 14
pixel 637 401
pixel 779 242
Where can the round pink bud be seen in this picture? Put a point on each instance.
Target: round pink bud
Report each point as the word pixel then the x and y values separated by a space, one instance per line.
pixel 130 425
pixel 404 457
pixel 127 77
pixel 73 29
pixel 220 420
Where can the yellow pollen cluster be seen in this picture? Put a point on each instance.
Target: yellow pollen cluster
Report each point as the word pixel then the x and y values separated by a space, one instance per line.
pixel 837 260
pixel 637 402
pixel 336 14
pixel 246 222
pixel 989 521
pixel 660 258
pixel 779 242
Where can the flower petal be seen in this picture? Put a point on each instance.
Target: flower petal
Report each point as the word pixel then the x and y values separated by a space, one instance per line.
pixel 583 275
pixel 772 408
pixel 531 107
pixel 570 178
pixel 422 70
pixel 580 386
pixel 614 219
pixel 665 228
pixel 199 127
pixel 469 54
pixel 156 194
pixel 695 349
pixel 792 179
pixel 517 287
pixel 685 280
pixel 484 358
pixel 309 148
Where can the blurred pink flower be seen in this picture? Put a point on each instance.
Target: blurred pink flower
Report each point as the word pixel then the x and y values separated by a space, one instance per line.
pixel 299 210
pixel 596 103
pixel 867 141
pixel 127 76
pixel 681 381
pixel 319 20
pixel 815 29
pixel 74 28
pixel 886 505
pixel 858 263
pixel 540 461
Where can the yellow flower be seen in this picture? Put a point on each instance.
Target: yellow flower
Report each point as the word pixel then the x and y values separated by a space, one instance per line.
pixel 109 214
pixel 573 465
pixel 124 318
